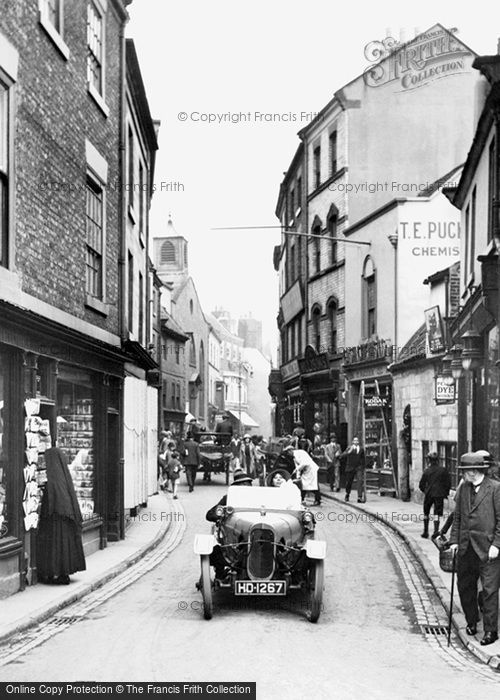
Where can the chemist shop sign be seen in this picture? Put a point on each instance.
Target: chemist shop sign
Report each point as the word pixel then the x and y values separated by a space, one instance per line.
pixel 444 390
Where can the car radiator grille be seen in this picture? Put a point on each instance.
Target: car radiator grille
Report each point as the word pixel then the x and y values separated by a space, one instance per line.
pixel 261 555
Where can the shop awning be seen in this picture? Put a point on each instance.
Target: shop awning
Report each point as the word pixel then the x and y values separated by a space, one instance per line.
pixel 246 420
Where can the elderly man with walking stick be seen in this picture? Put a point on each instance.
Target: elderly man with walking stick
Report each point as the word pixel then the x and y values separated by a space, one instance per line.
pixel 475 537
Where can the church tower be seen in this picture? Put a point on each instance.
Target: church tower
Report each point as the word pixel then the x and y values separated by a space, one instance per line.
pixel 170 254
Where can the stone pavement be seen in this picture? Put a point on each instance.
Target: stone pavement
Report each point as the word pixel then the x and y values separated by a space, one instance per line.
pixel 35 603
pixel 406 518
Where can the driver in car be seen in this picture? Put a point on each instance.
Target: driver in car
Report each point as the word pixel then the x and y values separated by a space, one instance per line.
pixel 217 558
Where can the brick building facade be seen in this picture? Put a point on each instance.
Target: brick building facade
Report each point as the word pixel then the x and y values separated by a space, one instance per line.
pixel 63 355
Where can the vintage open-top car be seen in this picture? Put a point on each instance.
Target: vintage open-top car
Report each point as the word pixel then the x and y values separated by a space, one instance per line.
pixel 265 538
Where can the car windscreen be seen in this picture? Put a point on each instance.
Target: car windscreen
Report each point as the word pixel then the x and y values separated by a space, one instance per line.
pixel 282 498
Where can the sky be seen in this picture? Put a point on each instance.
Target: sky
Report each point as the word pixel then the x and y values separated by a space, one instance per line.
pixel 262 70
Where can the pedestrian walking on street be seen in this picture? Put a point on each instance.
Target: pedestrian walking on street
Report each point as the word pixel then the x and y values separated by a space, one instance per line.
pixel 475 536
pixel 247 456
pixel 192 460
pixel 234 447
pixel 435 484
pixel 59 541
pixel 355 467
pixel 174 467
pixel 332 453
pixel 307 472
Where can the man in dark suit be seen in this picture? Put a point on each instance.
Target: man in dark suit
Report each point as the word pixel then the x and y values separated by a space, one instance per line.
pixel 355 467
pixel 225 428
pixel 475 535
pixel 435 484
pixel 192 460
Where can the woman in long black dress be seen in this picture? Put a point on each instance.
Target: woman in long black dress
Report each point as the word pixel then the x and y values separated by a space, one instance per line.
pixel 59 542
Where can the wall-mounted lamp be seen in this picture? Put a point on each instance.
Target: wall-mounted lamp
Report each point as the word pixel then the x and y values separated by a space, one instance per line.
pixel 446 364
pixel 472 352
pixel 456 363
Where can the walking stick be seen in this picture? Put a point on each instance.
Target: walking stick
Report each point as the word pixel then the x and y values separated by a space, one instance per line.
pixel 451 597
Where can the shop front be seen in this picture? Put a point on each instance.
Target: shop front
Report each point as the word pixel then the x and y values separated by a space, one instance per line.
pixel 56 388
pixel 371 411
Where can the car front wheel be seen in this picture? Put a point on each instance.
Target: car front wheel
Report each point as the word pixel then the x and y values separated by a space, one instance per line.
pixel 206 587
pixel 316 581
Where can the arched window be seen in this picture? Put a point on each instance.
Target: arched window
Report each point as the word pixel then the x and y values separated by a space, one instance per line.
pixel 167 254
pixel 369 292
pixel 316 327
pixel 332 222
pixel 331 308
pixel 316 230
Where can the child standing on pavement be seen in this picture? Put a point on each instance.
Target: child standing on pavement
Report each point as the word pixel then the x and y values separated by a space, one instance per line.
pixel 174 471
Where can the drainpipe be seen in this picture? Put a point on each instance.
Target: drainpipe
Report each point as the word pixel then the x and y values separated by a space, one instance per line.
pixel 122 175
pixel 393 238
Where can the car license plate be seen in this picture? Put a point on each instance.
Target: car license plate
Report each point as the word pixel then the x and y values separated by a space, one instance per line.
pixel 260 587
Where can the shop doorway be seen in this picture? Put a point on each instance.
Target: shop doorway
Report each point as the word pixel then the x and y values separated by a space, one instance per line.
pixel 114 479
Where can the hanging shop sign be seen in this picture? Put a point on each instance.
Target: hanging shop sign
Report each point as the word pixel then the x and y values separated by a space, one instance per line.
pixel 434 329
pixel 444 390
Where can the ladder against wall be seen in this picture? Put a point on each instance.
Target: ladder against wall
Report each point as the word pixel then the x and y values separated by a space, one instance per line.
pixel 371 425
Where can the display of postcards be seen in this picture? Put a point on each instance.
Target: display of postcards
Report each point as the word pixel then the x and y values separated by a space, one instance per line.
pixel 32 407
pixel 32 440
pixel 29 472
pixel 33 424
pixel 86 506
pixel 30 490
pixel 2 519
pixel 31 521
pixel 84 406
pixel 1 507
pixel 1 474
pixel 31 455
pixel 83 493
pixel 45 427
pixel 45 443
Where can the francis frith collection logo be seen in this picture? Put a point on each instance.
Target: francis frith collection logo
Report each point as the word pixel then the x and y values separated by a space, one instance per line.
pixel 429 56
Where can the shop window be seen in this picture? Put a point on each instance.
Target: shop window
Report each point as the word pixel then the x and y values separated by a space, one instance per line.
pixel 75 432
pixel 447 452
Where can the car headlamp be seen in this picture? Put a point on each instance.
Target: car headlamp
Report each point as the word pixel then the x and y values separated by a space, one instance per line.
pixel 219 511
pixel 307 517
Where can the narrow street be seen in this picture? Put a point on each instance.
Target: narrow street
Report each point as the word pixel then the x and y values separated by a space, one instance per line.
pixel 367 643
